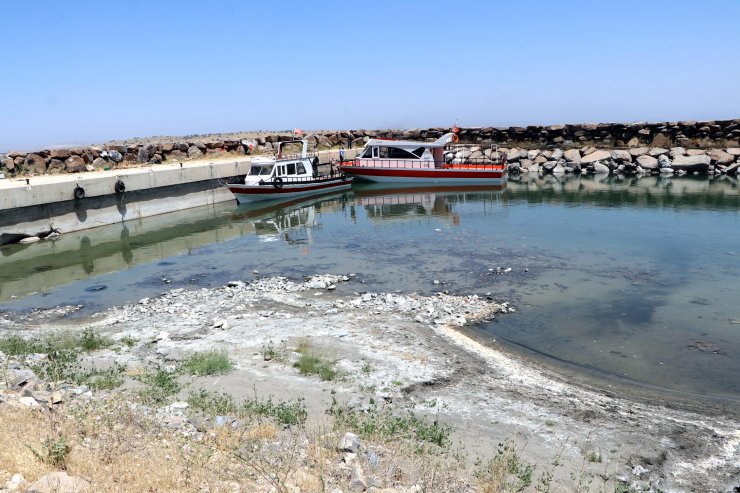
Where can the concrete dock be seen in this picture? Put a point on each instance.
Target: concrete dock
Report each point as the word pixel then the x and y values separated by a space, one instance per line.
pixel 39 205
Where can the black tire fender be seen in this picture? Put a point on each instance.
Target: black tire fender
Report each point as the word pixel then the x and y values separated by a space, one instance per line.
pixel 79 192
pixel 277 182
pixel 120 187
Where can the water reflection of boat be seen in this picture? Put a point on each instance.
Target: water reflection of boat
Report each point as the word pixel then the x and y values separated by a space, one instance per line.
pixel 291 221
pixel 393 201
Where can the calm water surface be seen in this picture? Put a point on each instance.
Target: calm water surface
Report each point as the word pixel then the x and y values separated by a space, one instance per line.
pixel 633 278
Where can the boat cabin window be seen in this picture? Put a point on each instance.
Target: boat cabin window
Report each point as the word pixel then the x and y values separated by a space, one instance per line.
pixel 300 169
pixel 375 152
pixel 280 171
pixel 291 168
pixel 368 153
pixel 260 170
pixel 397 153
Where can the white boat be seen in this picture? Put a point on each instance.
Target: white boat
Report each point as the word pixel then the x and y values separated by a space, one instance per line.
pixel 408 161
pixel 286 176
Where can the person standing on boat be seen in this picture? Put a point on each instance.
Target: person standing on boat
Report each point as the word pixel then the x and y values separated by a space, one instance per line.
pixel 341 154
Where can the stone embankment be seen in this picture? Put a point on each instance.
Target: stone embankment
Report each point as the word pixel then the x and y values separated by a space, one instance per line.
pixel 687 134
pixel 633 161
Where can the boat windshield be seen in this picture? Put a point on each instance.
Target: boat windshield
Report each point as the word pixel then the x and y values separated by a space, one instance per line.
pixel 260 170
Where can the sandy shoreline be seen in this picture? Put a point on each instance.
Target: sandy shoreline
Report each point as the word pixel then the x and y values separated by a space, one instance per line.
pixel 407 349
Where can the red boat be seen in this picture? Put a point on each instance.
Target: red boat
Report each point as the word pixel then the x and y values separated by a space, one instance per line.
pixel 408 161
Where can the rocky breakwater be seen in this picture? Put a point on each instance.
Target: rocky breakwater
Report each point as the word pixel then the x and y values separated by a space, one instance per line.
pixel 632 161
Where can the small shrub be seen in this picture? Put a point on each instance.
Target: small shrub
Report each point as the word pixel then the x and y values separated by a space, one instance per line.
pixel 212 403
pixel 107 379
pixel 92 341
pixel 285 413
pixel 128 341
pixel 384 425
pixel 208 363
pixel 270 352
pixel 506 471
pixel 310 364
pixel 61 365
pixel 54 451
pixel 160 385
pixel 17 346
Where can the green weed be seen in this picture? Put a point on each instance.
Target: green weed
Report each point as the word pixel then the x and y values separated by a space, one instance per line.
pixel 208 363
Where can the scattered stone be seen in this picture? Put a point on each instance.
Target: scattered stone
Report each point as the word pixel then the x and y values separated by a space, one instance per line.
pixel 60 482
pixel 74 164
pixel 647 162
pixel 29 239
pixel 349 443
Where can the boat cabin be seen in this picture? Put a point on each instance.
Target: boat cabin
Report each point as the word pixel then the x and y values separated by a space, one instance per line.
pixel 403 153
pixel 288 167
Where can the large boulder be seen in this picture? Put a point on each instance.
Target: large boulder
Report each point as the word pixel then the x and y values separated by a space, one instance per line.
pixel 99 163
pixel 647 162
pixel 61 154
pixel 572 156
pixel 74 164
pixel 143 155
pixel 657 151
pixel 633 142
pixel 677 151
pixel 639 151
pixel 115 156
pixel 600 168
pixel 664 161
pixel 721 157
pixel 595 156
pixel 689 164
pixel 513 155
pixel 735 151
pixel 35 164
pixel 557 154
pixel 194 152
pixel 661 140
pixel 622 156
pixel 55 167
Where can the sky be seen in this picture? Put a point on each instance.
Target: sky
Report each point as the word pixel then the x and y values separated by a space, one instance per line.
pixel 81 72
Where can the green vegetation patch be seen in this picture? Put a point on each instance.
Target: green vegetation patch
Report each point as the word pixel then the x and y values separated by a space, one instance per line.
pixel 208 363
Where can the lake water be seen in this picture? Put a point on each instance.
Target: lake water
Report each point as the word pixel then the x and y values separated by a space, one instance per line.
pixel 634 278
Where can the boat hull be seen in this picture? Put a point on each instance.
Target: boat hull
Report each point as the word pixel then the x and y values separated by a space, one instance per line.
pixel 458 175
pixel 253 193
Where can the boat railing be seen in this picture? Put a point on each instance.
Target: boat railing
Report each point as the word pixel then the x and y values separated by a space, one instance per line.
pixel 480 163
pixel 285 180
pixel 296 155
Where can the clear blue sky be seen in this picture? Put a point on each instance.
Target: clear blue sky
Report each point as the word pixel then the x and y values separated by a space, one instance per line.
pixel 77 72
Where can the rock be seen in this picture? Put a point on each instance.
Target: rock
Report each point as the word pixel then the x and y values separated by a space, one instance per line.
pixel 194 152
pixel 639 151
pixel 572 155
pixel 99 163
pixel 531 155
pixel 600 168
pixel 559 169
pixel 29 402
pixel 142 156
pixel 540 160
pixel 698 163
pixel 666 171
pixel 60 482
pixel 74 164
pixel 29 239
pixel 349 443
pixel 647 162
pixel 695 152
pixel 358 481
pixel 595 156
pixel 15 483
pixel 35 164
pixel 664 161
pixel 721 157
pixel 61 154
pixel 735 151
pixel 557 154
pixel 55 167
pixel 661 140
pixel 513 155
pixel 115 156
pixel 633 142
pixel 657 151
pixel 622 156
pixel 677 151
pixel 549 166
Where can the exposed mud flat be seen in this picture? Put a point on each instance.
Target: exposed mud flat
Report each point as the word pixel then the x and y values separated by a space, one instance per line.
pixel 407 348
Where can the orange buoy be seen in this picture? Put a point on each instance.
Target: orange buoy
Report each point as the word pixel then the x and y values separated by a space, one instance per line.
pixel 455 138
